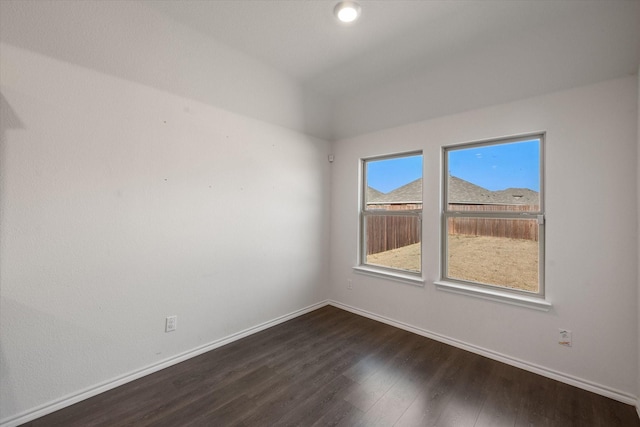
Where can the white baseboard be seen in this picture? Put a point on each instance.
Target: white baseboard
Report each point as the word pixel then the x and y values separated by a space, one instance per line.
pixel 540 370
pixel 71 399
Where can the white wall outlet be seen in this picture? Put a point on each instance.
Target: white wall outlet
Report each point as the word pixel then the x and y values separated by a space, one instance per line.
pixel 350 284
pixel 565 338
pixel 171 324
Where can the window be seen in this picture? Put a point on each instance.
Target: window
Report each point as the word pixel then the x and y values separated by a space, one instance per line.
pixel 391 214
pixel 493 216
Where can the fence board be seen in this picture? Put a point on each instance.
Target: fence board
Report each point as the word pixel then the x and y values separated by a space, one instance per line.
pixel 526 229
pixel 385 233
pixel 391 232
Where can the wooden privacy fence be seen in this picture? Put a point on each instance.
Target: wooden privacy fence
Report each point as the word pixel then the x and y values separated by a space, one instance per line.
pixel 385 233
pixel 511 228
pixel 526 228
pixel 391 232
pixel 493 208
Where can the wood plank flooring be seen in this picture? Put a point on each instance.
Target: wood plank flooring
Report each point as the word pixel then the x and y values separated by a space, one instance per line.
pixel 332 367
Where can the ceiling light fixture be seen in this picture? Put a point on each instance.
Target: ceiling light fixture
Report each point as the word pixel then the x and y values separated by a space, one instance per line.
pixel 347 11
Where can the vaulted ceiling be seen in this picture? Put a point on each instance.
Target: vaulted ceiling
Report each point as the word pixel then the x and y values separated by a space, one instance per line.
pixel 422 59
pixel 403 61
pixel 397 38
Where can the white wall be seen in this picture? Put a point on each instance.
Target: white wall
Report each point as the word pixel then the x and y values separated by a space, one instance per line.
pixel 638 188
pixel 591 236
pixel 123 203
pixel 136 42
pixel 146 171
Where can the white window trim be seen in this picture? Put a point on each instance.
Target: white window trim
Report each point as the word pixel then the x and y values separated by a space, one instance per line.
pixel 535 303
pixel 404 276
pixel 391 274
pixel 495 293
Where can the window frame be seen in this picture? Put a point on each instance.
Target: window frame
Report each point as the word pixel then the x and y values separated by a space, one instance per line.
pixel 484 290
pixel 362 266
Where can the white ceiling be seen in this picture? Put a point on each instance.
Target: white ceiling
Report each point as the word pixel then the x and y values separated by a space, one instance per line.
pixel 403 61
pixel 399 39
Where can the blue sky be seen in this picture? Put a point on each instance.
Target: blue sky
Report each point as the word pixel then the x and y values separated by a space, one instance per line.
pixel 494 167
pixel 501 166
pixel 389 174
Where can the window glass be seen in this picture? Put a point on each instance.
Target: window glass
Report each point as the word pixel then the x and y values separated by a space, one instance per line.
pixel 393 241
pixel 493 219
pixel 494 251
pixel 391 213
pixel 499 174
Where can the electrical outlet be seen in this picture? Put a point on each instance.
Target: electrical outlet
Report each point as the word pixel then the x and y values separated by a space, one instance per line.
pixel 171 324
pixel 350 284
pixel 565 338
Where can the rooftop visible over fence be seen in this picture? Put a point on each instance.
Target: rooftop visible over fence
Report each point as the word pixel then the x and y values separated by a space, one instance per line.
pixel 460 192
pixel 466 193
pixel 408 193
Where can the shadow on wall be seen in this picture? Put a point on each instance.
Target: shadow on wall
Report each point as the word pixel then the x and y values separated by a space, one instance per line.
pixel 166 55
pixel 7 386
pixel 8 120
pixel 15 313
pixel 52 333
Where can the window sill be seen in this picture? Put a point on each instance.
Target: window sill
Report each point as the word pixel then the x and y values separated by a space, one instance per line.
pixel 495 295
pixel 391 275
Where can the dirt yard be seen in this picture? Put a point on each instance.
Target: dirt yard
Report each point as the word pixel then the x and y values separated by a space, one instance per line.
pixel 512 263
pixel 405 258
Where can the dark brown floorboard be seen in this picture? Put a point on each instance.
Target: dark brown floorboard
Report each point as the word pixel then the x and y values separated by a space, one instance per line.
pixel 334 368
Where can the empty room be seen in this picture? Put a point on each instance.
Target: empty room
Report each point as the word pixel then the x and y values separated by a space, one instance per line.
pixel 272 212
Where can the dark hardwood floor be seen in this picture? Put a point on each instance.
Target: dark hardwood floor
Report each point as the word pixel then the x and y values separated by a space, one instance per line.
pixel 332 367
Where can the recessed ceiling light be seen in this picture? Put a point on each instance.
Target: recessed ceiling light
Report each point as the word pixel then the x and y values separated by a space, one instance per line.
pixel 347 11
